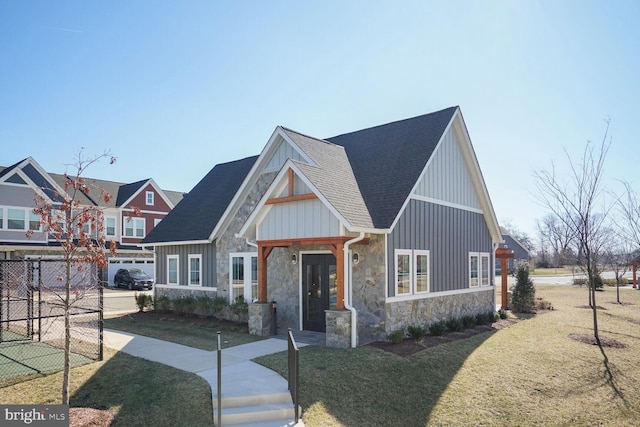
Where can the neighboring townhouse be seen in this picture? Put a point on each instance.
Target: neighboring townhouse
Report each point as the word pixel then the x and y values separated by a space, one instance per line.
pixel 132 212
pixel 520 252
pixel 356 235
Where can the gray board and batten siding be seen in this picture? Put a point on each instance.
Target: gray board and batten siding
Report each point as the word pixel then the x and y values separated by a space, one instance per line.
pixel 208 270
pixel 448 233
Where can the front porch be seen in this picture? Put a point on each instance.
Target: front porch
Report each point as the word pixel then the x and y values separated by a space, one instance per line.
pixel 307 283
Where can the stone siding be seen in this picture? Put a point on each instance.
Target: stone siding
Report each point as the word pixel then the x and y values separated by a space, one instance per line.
pixel 424 312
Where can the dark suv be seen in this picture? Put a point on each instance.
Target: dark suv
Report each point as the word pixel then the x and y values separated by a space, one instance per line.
pixel 133 278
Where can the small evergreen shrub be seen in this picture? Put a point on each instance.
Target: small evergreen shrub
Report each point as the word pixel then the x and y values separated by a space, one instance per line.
pixel 162 304
pixel 143 301
pixel 218 304
pixel 184 306
pixel 469 321
pixel 396 337
pixel 239 305
pixel 524 293
pixel 484 318
pixel 203 306
pixel 502 314
pixel 454 324
pixel 416 332
pixel 437 328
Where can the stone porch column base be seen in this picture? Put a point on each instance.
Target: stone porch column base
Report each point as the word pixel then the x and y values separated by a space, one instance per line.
pixel 260 319
pixel 338 328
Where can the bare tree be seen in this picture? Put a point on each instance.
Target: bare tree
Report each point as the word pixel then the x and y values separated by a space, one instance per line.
pixel 618 256
pixel 75 220
pixel 578 202
pixel 558 235
pixel 629 205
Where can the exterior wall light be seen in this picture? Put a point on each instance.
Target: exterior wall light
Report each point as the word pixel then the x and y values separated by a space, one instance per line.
pixel 355 258
pixel 294 259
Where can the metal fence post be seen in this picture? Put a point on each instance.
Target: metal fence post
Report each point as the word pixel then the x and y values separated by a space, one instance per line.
pixel 100 323
pixel 219 381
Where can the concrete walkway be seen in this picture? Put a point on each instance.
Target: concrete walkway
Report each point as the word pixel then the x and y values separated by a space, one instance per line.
pixel 241 378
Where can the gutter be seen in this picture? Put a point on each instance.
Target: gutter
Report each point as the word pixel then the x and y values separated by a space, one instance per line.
pixel 348 289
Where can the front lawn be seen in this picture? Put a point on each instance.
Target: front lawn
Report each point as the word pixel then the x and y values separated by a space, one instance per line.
pixel 531 373
pixel 187 330
pixel 139 392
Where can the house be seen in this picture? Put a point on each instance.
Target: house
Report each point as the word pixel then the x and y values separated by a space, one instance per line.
pixel 520 252
pixel 132 212
pixel 356 235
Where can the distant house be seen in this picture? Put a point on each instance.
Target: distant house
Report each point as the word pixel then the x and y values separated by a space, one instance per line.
pixel 356 235
pixel 133 211
pixel 521 253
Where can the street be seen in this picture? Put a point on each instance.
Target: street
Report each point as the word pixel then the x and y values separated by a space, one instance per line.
pixel 120 300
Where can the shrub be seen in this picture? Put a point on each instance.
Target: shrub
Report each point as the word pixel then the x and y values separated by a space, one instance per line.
pixel 598 283
pixel 523 296
pixel 143 301
pixel 495 316
pixel 469 321
pixel 454 324
pixel 183 306
pixel 162 304
pixel 218 304
pixel 484 318
pixel 239 305
pixel 437 328
pixel 396 337
pixel 416 332
pixel 203 305
pixel 502 313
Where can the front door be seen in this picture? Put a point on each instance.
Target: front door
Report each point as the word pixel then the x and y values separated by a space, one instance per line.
pixel 319 290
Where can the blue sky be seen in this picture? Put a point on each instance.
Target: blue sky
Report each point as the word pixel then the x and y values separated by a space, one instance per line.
pixel 173 88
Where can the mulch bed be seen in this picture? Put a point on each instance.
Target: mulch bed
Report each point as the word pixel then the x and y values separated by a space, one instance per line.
pixel 90 417
pixel 409 346
pixel 590 339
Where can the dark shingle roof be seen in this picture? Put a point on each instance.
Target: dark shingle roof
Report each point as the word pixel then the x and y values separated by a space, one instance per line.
pixel 195 217
pixel 387 160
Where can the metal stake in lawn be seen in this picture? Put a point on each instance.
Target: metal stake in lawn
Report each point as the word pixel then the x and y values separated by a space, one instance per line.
pixel 219 381
pixel 503 254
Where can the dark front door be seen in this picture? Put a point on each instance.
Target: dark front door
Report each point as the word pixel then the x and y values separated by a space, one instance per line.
pixel 319 290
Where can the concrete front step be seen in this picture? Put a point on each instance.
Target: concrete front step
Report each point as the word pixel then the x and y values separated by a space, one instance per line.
pixel 255 414
pixel 257 410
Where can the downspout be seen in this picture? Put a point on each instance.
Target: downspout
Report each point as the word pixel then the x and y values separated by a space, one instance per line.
pixel 255 245
pixel 348 289
pixel 493 272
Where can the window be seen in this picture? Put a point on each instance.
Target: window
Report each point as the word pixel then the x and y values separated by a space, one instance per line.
pixel 1 218
pixel 156 221
pixel 149 198
pixel 15 219
pixel 34 222
pixel 134 227
pixel 244 276
pixel 412 272
pixel 195 262
pixel 422 271
pixel 403 272
pixel 479 269
pixel 110 226
pixel 173 269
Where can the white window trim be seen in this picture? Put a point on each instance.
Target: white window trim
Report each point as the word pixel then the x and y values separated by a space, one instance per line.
pixel 247 285
pixel 199 258
pixel 115 226
pixel 416 254
pixel 177 258
pixel 408 252
pixel 487 256
pixel 480 256
pixel 132 221
pixel 25 221
pixel 147 198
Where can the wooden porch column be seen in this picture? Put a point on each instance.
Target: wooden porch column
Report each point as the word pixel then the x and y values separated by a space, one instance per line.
pixel 503 254
pixel 263 254
pixel 338 251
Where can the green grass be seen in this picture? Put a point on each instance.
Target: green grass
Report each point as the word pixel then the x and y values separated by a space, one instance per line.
pixel 142 393
pixel 531 373
pixel 189 331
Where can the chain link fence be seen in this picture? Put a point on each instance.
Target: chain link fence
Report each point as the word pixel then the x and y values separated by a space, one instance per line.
pixel 33 311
